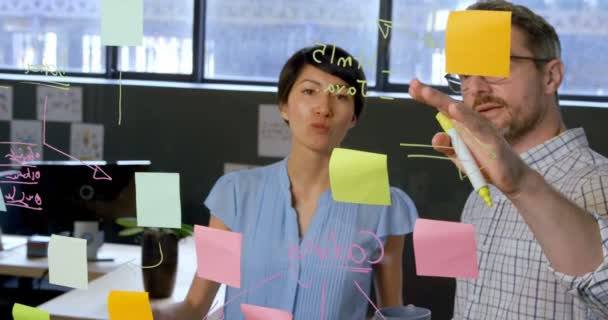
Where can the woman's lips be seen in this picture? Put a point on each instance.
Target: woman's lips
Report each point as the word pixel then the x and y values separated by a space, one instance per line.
pixel 319 127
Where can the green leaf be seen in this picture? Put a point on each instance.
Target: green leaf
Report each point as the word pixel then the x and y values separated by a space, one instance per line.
pixel 127 222
pixel 187 227
pixel 130 231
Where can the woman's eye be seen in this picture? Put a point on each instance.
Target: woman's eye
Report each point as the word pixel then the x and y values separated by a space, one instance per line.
pixel 342 97
pixel 308 91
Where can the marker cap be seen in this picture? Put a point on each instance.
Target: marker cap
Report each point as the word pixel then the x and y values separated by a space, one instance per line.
pixel 445 122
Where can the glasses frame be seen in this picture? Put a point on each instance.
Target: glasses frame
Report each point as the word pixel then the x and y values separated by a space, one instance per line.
pixel 455 84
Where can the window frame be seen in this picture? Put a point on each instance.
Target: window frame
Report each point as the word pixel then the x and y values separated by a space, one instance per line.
pixel 382 83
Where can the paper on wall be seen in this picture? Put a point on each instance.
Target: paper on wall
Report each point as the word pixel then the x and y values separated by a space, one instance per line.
pixel 86 141
pixel 274 138
pixel 62 105
pixel 6 103
pixel 27 131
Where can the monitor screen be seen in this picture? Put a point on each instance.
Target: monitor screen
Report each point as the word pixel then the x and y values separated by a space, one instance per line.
pixel 50 195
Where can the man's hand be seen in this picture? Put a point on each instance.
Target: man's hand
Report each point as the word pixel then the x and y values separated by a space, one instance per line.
pixel 500 164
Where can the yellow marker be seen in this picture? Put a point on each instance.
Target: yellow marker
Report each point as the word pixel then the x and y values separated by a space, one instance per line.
pixel 467 161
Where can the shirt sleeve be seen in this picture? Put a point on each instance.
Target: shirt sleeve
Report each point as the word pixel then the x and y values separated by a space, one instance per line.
pixel 592 288
pixel 222 201
pixel 399 217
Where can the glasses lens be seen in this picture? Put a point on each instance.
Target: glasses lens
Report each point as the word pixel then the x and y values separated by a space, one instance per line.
pixel 453 82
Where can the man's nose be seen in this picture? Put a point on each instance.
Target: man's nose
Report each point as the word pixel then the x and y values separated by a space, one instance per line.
pixel 476 86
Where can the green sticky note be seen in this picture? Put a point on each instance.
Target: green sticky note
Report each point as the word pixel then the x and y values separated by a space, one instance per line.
pixel 67 258
pixel 359 177
pixel 23 312
pixel 157 200
pixel 122 22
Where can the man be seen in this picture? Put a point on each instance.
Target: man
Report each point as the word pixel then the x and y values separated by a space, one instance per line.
pixel 543 245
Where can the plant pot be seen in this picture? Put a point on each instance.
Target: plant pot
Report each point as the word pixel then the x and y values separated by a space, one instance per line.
pixel 159 281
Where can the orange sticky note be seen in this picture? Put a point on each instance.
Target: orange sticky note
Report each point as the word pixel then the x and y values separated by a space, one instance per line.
pixel 129 305
pixel 478 42
pixel 218 255
pixel 445 249
pixel 252 312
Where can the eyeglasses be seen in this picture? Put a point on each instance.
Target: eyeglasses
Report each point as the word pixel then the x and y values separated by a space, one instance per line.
pixel 455 81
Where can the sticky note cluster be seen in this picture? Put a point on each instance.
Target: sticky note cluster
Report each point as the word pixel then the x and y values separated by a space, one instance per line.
pixel 23 312
pixel 218 255
pixel 67 259
pixel 122 22
pixel 129 305
pixel 157 197
pixel 445 249
pixel 359 177
pixel 252 312
pixel 478 42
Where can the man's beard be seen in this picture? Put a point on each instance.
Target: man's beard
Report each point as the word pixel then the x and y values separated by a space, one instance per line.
pixel 517 127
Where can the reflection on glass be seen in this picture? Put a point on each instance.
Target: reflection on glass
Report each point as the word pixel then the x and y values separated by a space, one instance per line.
pixel 64 34
pixel 581 25
pixel 250 40
pixel 167 44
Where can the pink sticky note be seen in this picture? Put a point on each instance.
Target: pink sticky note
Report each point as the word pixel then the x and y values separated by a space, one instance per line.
pixel 218 255
pixel 445 249
pixel 252 312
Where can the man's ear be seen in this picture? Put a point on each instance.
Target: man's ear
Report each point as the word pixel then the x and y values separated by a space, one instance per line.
pixel 554 75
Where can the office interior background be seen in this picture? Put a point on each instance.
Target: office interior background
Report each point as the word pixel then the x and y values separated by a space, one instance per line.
pixel 191 91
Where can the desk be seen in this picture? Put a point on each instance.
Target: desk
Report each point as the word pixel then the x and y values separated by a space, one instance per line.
pixel 92 303
pixel 15 262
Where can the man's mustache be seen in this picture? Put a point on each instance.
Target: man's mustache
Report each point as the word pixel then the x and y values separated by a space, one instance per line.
pixel 488 99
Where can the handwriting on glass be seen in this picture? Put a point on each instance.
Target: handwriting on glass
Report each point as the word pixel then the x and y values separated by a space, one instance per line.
pixel 345 62
pixel 34 68
pixel 30 155
pixel 25 201
pixel 27 176
pixel 354 255
pixel 44 68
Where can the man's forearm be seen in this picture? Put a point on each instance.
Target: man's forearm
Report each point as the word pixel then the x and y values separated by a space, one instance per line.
pixel 569 236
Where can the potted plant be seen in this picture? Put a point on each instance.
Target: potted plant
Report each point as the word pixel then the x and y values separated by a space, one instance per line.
pixel 159 254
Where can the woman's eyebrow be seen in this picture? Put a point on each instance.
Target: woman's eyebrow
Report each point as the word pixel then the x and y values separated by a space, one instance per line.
pixel 310 80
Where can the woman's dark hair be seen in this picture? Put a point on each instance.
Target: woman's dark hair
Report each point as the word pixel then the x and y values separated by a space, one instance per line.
pixel 320 56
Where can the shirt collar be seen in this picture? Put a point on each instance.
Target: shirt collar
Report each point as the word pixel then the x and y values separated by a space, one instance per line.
pixel 551 151
pixel 324 199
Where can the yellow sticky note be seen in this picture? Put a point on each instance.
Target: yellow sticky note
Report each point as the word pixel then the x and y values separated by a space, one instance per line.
pixel 67 258
pixel 23 312
pixel 478 42
pixel 129 305
pixel 359 177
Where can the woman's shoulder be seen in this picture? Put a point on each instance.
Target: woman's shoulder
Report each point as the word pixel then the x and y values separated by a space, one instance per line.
pixel 251 176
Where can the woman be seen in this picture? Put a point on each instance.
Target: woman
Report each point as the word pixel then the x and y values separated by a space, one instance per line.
pixel 318 253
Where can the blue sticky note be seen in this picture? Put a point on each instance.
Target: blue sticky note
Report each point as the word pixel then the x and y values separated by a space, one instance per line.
pixel 2 204
pixel 157 200
pixel 122 22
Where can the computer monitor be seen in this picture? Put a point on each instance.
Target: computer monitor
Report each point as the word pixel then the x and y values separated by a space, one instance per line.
pixel 68 191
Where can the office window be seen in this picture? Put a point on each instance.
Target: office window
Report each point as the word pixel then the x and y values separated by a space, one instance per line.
pixel 64 34
pixel 167 44
pixel 251 40
pixel 581 25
